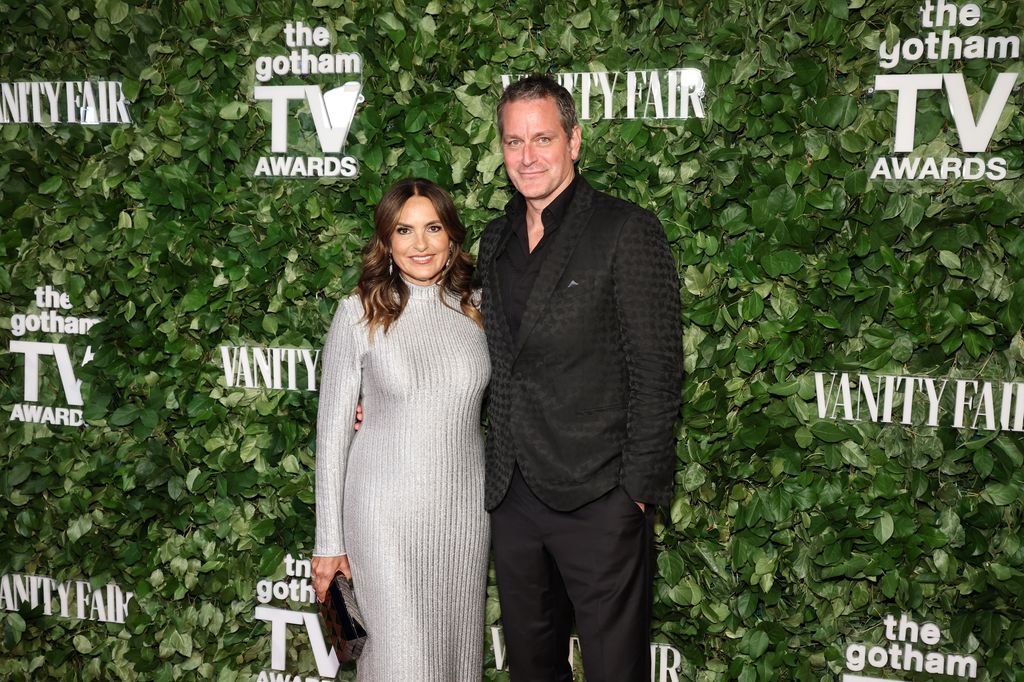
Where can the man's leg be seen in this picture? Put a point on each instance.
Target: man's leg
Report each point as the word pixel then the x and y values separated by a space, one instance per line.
pixel 604 556
pixel 535 611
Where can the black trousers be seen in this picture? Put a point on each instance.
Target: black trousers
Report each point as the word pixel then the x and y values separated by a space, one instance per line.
pixel 596 561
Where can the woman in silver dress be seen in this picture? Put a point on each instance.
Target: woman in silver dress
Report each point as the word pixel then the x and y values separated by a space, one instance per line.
pixel 399 503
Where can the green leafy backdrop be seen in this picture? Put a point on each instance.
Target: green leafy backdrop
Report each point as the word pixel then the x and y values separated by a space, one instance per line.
pixel 788 538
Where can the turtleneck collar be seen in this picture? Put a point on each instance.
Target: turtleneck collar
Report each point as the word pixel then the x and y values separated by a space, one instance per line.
pixel 421 291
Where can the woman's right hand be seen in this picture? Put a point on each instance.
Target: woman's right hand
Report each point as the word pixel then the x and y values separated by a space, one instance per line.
pixel 324 569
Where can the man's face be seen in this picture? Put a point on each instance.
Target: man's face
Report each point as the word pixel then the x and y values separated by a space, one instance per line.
pixel 538 154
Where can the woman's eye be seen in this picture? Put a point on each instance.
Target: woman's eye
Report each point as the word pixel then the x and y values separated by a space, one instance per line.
pixel 403 230
pixel 434 228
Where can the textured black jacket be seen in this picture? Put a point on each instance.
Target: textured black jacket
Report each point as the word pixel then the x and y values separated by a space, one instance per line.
pixel 586 398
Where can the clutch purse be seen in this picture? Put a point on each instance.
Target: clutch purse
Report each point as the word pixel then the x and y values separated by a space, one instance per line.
pixel 342 619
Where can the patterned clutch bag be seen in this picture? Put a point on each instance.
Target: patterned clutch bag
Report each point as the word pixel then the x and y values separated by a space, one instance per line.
pixel 342 619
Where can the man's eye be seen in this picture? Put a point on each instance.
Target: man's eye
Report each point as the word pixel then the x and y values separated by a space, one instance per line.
pixel 544 140
pixel 512 143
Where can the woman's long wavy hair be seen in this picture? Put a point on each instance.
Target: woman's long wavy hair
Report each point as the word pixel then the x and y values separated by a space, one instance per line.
pixel 381 288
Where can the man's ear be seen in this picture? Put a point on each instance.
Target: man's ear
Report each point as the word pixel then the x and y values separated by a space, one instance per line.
pixel 575 139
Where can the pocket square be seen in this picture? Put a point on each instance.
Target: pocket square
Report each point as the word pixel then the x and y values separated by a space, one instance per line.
pixel 572 283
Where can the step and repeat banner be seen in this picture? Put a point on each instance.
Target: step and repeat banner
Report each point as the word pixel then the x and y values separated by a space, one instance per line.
pixel 185 188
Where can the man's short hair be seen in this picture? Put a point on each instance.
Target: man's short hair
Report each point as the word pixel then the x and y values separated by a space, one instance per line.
pixel 540 86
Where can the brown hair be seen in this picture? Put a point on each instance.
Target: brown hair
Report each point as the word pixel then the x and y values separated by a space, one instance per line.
pixel 381 288
pixel 539 86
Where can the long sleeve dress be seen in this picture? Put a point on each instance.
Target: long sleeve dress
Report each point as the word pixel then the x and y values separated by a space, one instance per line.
pixel 403 495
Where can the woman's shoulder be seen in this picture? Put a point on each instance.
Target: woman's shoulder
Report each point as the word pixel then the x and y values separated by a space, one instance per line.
pixel 350 310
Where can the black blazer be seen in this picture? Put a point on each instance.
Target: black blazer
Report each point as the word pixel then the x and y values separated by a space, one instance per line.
pixel 586 398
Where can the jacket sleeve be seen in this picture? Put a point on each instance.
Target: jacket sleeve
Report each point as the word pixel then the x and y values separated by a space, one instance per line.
pixel 646 288
pixel 340 381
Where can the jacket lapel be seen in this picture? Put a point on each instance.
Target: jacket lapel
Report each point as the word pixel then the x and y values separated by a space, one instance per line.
pixel 568 236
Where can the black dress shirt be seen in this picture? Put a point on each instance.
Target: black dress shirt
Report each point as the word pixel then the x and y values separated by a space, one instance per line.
pixel 517 266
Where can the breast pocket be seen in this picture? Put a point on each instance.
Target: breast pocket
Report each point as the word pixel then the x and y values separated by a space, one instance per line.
pixel 576 285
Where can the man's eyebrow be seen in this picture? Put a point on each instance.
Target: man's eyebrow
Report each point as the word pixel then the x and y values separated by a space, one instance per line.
pixel 539 133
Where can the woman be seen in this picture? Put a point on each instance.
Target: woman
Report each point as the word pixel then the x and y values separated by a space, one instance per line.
pixel 399 503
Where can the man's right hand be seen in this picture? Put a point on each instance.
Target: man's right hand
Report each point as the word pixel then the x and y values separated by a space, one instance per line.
pixel 324 569
pixel 359 416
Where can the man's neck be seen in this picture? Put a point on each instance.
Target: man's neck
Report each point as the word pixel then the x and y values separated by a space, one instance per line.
pixel 534 213
pixel 535 210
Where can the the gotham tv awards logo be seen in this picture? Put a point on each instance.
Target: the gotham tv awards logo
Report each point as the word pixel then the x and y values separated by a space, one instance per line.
pixel 906 653
pixel 322 86
pixel 975 114
pixel 295 631
pixel 64 102
pixel 43 402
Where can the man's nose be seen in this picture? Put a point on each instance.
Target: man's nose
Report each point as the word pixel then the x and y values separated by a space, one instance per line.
pixel 528 155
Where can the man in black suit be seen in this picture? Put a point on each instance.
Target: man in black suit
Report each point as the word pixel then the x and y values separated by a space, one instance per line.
pixel 581 310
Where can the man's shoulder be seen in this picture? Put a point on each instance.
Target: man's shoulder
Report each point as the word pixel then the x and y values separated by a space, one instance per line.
pixel 615 211
pixel 494 226
pixel 492 231
pixel 607 202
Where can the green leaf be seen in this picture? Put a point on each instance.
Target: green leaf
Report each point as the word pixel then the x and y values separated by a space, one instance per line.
pixel 890 584
pixel 392 26
pixel 79 527
pixel 474 104
pixel 751 307
pixel 51 185
pixel 82 644
pixel 693 477
pixel 746 604
pixel 581 20
pixel 883 528
pixel 733 217
pixel 194 299
pixel 949 259
pixel 670 566
pixel 688 170
pixel 830 432
pixel 1000 494
pixel 781 262
pixel 839 111
pixel 755 643
pixel 983 463
pixel 837 8
pixel 117 11
pixel 124 415
pixel 233 111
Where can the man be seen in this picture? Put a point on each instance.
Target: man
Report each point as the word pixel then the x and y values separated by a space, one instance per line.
pixel 581 311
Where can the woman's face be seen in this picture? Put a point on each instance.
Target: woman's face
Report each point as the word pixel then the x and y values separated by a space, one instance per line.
pixel 419 244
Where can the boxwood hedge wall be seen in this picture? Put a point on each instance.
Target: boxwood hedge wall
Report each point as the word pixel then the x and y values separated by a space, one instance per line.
pixel 790 537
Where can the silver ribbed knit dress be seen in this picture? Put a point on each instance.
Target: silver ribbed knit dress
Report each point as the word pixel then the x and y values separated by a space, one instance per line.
pixel 403 496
